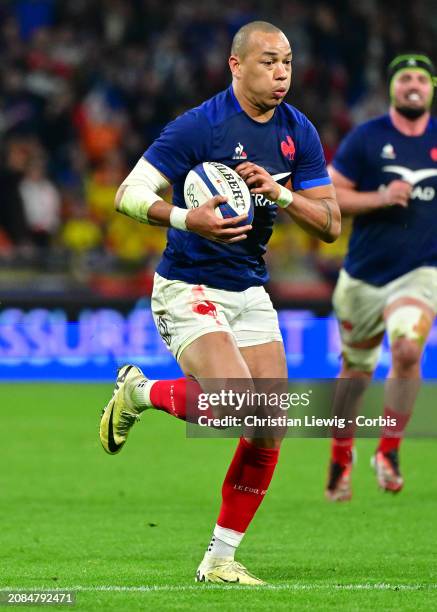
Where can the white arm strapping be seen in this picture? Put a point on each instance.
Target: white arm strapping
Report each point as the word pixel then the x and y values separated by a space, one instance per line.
pixel 142 187
pixel 285 197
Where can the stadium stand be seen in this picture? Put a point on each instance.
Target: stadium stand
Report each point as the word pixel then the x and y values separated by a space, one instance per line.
pixel 85 86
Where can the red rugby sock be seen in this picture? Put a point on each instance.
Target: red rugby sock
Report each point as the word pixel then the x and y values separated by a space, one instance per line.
pixel 173 396
pixel 180 398
pixel 392 435
pixel 341 450
pixel 245 484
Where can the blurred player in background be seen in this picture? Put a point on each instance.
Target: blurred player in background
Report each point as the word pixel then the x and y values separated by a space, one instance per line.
pixel 385 175
pixel 209 303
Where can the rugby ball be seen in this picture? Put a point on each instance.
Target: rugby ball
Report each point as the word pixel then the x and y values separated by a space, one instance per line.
pixel 209 179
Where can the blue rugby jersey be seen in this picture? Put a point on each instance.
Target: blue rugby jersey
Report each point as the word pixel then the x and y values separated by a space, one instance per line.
pixel 287 146
pixel 392 241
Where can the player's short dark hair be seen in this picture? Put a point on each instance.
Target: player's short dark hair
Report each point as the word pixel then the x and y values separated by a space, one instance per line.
pixel 241 38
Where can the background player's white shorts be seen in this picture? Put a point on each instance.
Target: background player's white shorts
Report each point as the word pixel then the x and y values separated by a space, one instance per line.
pixel 360 307
pixel 184 312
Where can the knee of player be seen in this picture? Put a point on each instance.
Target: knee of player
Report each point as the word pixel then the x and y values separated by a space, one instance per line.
pixel 406 352
pixel 359 363
pixel 408 326
pixel 349 369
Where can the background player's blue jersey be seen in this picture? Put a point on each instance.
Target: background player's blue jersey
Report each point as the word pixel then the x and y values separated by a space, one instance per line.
pixel 287 146
pixel 392 241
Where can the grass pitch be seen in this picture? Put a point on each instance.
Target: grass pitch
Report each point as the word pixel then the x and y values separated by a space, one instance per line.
pixel 127 532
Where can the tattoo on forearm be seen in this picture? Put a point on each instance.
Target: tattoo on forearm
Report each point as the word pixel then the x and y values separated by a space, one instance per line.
pixel 328 223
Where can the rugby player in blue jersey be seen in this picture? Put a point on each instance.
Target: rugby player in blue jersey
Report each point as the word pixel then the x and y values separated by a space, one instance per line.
pixel 385 174
pixel 208 301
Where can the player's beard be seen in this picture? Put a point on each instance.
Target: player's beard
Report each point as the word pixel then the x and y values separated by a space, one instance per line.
pixel 411 113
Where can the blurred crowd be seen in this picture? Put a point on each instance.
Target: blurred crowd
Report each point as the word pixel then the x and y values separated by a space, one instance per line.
pixel 86 85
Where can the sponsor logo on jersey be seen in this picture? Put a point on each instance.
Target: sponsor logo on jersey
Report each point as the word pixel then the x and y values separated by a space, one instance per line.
pixel 288 148
pixel 388 152
pixel 433 154
pixel 239 152
pixel 278 177
pixel 411 176
pixel 260 200
pixel 425 193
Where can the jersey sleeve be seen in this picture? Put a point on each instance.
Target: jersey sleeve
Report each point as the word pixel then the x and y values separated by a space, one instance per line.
pixel 182 144
pixel 311 165
pixel 348 159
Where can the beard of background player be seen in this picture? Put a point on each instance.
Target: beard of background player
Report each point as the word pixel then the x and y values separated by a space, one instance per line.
pixel 410 112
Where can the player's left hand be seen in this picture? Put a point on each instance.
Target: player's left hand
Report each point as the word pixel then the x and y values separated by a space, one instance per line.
pixel 259 180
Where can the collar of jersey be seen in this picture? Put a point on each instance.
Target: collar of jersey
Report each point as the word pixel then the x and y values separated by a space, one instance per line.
pixel 240 110
pixel 428 128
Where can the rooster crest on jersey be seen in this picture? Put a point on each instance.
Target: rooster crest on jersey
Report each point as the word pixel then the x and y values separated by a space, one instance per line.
pixel 209 179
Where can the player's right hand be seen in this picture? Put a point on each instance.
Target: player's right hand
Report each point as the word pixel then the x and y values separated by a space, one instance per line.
pixel 397 192
pixel 204 221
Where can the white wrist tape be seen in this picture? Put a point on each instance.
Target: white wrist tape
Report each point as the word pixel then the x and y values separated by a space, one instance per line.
pixel 142 188
pixel 178 217
pixel 285 197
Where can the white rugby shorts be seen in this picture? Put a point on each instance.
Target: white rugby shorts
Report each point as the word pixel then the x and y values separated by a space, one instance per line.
pixel 184 312
pixel 360 307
